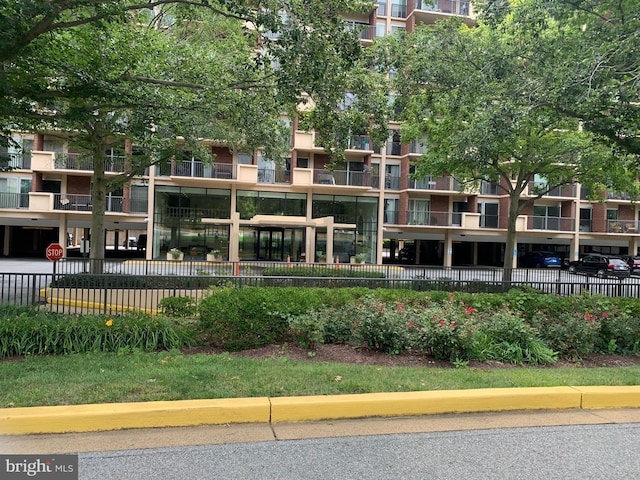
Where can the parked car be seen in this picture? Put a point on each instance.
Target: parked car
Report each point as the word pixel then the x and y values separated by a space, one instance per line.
pixel 540 259
pixel 407 254
pixel 633 262
pixel 601 266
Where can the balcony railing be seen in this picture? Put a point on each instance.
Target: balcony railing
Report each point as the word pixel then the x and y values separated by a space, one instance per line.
pixel 455 7
pixel 562 224
pixel 14 200
pixel 394 148
pixel 20 161
pixel 489 221
pixel 80 161
pixel 196 214
pixel 622 226
pixel 364 31
pixel 196 169
pixel 342 177
pixel 416 147
pixel 84 203
pixel 566 191
pixel 274 175
pixel 359 142
pixel 432 218
pixel 432 183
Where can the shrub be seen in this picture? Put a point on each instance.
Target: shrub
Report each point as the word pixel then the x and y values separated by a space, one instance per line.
pixel 571 334
pixel 47 333
pixel 381 327
pixel 506 337
pixel 445 331
pixel 315 271
pixel 178 306
pixel 239 318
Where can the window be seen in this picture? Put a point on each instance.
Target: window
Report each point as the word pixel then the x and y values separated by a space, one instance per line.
pixel 245 158
pixel 391 210
pixel 399 8
pixel 489 214
pixel 392 177
pixel 381 29
pixel 546 217
pixel 302 162
pixel 585 219
pixel 419 212
pixel 382 7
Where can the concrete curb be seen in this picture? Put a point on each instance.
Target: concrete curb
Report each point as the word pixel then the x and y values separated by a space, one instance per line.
pixel 110 416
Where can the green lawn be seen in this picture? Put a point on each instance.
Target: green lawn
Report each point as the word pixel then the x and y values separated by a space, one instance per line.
pixel 105 377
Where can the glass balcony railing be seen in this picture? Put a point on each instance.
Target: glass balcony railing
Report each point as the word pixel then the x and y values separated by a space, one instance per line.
pixel 432 183
pixel 342 177
pixel 455 7
pixel 19 161
pixel 430 218
pixel 80 161
pixel 622 226
pixel 14 200
pixel 562 224
pixel 196 169
pixel 274 175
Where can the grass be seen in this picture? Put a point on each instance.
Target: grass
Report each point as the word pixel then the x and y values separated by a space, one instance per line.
pixel 137 377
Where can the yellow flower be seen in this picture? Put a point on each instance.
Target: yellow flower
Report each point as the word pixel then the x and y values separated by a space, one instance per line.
pixel 108 323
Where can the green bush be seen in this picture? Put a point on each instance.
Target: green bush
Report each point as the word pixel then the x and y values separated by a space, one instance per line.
pixel 315 271
pixel 239 318
pixel 50 334
pixel 178 306
pixel 380 326
pixel 571 334
pixel 506 337
pixel 445 331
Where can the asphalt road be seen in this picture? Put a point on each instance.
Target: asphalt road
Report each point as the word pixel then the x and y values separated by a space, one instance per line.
pixel 560 452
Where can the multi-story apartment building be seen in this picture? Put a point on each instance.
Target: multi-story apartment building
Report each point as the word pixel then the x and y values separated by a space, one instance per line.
pixel 251 208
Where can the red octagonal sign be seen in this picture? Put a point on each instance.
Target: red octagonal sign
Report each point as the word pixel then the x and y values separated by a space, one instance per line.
pixel 54 252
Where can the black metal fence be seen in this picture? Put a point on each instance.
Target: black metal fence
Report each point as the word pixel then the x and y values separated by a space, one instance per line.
pixel 125 286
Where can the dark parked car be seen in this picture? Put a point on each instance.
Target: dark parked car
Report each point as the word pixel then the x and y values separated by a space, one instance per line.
pixel 634 263
pixel 407 254
pixel 539 259
pixel 601 266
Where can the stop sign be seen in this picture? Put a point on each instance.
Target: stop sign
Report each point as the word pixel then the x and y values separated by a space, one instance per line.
pixel 54 252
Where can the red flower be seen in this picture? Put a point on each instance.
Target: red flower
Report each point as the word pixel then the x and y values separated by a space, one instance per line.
pixel 451 295
pixel 411 324
pixel 441 323
pixel 587 317
pixel 470 310
pixel 453 325
pixel 400 307
pixel 604 315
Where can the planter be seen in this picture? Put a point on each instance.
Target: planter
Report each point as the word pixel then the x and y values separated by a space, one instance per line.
pixel 213 258
pixel 172 258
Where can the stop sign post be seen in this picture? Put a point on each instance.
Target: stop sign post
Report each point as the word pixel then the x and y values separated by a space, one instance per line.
pixel 54 252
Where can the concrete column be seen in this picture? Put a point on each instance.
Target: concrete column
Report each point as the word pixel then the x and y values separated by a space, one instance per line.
pixel 574 249
pixel 62 233
pixel 448 248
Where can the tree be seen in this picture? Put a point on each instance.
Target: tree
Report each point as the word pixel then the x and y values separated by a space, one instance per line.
pixel 587 57
pixel 474 94
pixel 219 70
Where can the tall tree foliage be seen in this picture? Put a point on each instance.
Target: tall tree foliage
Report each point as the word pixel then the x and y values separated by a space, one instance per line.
pixel 225 70
pixel 477 99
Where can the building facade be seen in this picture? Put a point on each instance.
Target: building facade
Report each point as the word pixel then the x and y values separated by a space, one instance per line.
pixel 247 207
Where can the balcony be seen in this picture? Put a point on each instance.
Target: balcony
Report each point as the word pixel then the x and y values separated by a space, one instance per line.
pixel 564 191
pixel 14 200
pixel 342 177
pixel 429 11
pixel 622 226
pixel 560 224
pixel 360 142
pixel 433 218
pixel 80 161
pixel 18 161
pixel 274 175
pixel 365 31
pixel 432 183
pixel 196 169
pixel 391 182
pixel 83 203
pixel 416 147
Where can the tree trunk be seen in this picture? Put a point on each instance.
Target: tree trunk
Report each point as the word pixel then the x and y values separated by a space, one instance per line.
pixel 98 200
pixel 510 245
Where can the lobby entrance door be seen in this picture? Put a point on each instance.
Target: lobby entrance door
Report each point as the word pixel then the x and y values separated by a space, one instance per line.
pixel 271 244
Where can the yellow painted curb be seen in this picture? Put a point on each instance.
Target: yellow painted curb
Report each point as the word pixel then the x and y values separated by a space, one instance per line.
pixel 117 416
pixel 610 397
pixel 296 409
